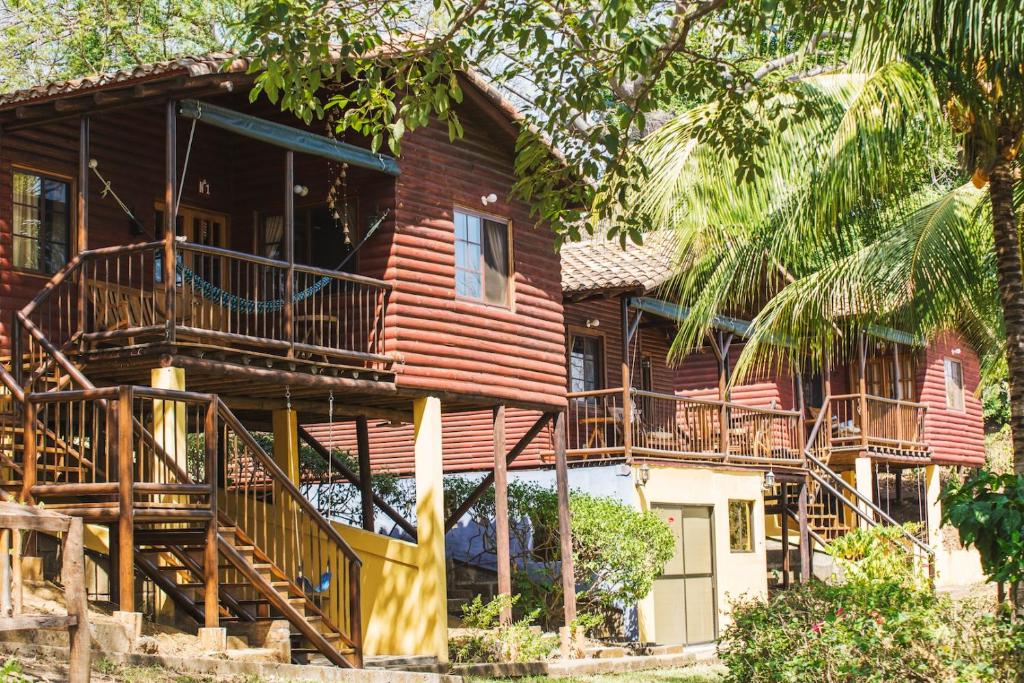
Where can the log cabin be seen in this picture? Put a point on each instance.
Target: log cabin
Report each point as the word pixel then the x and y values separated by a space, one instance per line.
pixel 189 278
pixel 194 284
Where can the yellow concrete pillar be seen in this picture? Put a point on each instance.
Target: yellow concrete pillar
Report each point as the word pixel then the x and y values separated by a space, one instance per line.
pixel 169 423
pixel 864 485
pixel 432 597
pixel 169 429
pixel 645 606
pixel 285 424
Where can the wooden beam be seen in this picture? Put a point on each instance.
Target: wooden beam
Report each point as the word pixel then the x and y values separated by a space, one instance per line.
pixel 170 217
pixel 486 482
pixel 77 601
pixel 501 521
pixel 784 524
pixel 564 521
pixel 627 384
pixel 346 472
pixel 365 477
pixel 317 407
pixel 82 209
pixel 123 428
pixel 806 554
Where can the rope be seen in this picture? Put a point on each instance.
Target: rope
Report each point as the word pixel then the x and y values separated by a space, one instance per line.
pixel 212 292
pixel 184 169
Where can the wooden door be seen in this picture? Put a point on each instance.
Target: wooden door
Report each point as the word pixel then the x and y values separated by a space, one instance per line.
pixel 684 596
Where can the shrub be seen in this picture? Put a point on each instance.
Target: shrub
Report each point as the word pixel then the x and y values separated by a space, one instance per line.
pixel 880 625
pixel 880 555
pixel 488 640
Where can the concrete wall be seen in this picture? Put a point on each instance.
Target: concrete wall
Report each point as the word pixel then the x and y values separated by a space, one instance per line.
pixel 737 574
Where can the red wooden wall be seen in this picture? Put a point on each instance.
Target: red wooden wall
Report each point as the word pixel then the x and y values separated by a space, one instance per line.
pixel 956 437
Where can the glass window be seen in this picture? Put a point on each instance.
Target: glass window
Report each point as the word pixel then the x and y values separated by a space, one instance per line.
pixel 42 222
pixel 320 239
pixel 741 522
pixel 954 384
pixel 481 258
pixel 586 371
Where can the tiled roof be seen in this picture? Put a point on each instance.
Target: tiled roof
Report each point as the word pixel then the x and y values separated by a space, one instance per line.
pixel 594 265
pixel 217 62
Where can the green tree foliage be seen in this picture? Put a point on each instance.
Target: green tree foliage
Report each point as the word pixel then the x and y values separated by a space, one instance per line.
pixel 43 40
pixel 587 74
pixel 618 551
pixel 988 511
pixel 882 623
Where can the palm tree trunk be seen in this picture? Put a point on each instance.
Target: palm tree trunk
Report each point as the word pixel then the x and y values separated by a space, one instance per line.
pixel 1011 295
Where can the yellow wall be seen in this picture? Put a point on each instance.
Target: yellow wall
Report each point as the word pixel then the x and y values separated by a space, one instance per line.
pixel 736 574
pixel 395 595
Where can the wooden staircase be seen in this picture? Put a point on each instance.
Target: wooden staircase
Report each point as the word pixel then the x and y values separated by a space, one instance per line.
pixel 199 508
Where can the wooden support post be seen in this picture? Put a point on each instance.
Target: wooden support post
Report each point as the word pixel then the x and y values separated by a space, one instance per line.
pixel 113 553
pixel 862 382
pixel 211 558
pixel 82 210
pixel 627 382
pixel 501 530
pixel 126 508
pixel 16 578
pixel 784 525
pixel 17 362
pixel 564 520
pixel 289 249
pixel 5 573
pixel 77 602
pixel 806 556
pixel 365 476
pixel 30 449
pixel 170 217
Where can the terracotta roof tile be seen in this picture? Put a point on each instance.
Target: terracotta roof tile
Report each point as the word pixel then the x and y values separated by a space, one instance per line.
pixel 593 265
pixel 204 65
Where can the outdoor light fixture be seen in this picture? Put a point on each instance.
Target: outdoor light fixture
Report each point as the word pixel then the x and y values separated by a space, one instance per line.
pixel 301 190
pixel 593 322
pixel 488 199
pixel 623 470
pixel 643 475
pixel 769 480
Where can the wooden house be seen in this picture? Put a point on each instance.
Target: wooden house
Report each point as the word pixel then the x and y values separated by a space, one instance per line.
pixel 187 277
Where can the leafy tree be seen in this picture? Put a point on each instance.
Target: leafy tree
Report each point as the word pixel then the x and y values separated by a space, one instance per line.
pixel 587 75
pixel 44 40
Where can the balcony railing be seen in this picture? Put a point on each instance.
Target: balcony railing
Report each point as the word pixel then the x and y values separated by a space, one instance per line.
pixel 219 297
pixel 865 421
pixel 614 423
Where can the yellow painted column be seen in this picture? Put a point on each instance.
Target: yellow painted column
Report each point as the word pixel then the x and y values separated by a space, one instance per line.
pixel 645 606
pixel 864 485
pixel 432 597
pixel 285 424
pixel 169 429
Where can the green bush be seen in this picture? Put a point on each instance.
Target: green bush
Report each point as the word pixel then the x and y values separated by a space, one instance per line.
pixel 880 625
pixel 618 551
pixel 488 640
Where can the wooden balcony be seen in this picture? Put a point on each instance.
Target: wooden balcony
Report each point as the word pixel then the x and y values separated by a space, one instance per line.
pixel 612 423
pixel 863 423
pixel 111 307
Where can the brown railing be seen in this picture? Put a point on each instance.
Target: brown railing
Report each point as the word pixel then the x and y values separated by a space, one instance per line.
pixel 266 506
pixel 679 427
pixel 857 421
pixel 219 297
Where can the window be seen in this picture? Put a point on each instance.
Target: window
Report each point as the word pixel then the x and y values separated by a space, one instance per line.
pixel 319 237
pixel 741 522
pixel 481 258
pixel 586 363
pixel 42 222
pixel 954 384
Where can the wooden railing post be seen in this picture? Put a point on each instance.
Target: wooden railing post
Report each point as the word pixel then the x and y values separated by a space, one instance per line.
pixel 627 418
pixel 355 613
pixel 211 558
pixel 170 217
pixel 17 362
pixel 289 250
pixel 723 429
pixel 29 451
pixel 126 508
pixel 77 599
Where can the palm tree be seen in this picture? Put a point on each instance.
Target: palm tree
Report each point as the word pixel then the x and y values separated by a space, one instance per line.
pixel 861 215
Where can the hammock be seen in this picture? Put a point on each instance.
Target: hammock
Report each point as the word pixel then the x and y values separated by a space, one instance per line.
pixel 212 292
pixel 225 299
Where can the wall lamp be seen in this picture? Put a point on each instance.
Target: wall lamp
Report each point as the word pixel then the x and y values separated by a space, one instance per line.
pixel 769 480
pixel 643 475
pixel 301 190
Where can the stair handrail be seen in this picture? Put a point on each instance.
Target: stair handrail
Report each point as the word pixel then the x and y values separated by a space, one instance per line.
pixel 282 479
pixel 7 379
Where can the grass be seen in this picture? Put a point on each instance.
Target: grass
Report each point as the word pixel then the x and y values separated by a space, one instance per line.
pixel 690 674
